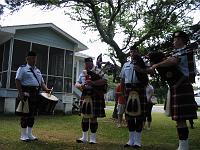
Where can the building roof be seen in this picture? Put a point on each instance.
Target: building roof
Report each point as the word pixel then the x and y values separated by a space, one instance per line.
pixel 8 31
pixel 83 56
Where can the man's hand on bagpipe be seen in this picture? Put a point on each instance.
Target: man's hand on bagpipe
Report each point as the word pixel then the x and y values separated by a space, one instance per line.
pixel 89 82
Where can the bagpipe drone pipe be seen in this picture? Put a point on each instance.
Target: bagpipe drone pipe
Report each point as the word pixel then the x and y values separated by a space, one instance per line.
pixel 172 74
pixel 108 67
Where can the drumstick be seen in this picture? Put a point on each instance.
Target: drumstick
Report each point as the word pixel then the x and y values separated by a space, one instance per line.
pixel 51 91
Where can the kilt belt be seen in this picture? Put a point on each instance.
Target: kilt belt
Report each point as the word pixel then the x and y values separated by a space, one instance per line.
pixel 32 90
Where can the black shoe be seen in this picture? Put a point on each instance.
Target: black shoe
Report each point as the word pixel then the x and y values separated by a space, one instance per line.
pixel 92 143
pixel 127 145
pixel 79 141
pixel 136 146
pixel 25 140
pixel 35 139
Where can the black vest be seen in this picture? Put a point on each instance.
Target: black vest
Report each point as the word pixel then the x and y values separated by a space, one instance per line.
pixel 142 77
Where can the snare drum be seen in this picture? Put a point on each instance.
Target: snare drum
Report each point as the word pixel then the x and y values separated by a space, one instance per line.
pixel 47 103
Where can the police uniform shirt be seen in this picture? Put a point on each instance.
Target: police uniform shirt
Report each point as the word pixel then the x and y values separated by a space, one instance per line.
pixel 128 73
pixel 27 78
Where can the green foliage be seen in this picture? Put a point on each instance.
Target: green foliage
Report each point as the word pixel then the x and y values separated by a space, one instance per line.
pixel 160 90
pixel 140 23
pixel 111 84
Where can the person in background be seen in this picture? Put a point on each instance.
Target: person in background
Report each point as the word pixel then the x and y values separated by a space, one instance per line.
pixel 120 103
pixel 191 123
pixel 29 82
pixel 93 91
pixel 134 83
pixel 148 118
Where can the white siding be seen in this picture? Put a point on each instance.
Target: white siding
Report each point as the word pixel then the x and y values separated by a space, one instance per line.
pixel 45 36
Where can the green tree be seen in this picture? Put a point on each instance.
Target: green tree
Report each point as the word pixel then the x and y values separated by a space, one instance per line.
pixel 140 22
pixel 111 84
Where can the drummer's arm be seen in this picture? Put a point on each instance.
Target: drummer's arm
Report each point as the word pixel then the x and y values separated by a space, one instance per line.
pixel 19 88
pixel 78 85
pixel 45 88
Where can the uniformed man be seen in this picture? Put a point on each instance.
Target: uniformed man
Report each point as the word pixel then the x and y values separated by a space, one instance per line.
pixel 135 84
pixel 93 103
pixel 29 81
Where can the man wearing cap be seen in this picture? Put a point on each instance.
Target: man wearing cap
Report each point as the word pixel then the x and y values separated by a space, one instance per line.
pixel 136 101
pixel 182 103
pixel 29 81
pixel 92 100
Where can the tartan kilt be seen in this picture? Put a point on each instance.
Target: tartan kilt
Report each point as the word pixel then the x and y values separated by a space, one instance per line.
pixel 143 100
pixel 98 103
pixel 182 102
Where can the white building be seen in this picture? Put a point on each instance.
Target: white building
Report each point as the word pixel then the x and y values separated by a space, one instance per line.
pixel 58 55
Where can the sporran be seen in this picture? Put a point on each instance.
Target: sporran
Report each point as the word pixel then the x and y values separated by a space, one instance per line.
pixel 133 107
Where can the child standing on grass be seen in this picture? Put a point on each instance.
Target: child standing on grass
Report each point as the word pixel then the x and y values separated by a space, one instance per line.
pixel 120 103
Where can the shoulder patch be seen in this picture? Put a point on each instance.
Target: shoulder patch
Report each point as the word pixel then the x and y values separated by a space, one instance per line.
pixel 23 66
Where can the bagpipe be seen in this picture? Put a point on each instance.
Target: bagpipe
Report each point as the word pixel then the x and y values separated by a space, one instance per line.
pixel 108 67
pixel 90 91
pixel 169 74
pixel 172 74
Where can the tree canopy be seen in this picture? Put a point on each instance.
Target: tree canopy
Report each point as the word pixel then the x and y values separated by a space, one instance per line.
pixel 143 23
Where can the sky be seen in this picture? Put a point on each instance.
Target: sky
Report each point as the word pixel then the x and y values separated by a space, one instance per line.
pixel 29 15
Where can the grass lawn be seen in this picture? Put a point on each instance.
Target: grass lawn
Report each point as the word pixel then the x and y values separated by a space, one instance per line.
pixel 110 103
pixel 60 132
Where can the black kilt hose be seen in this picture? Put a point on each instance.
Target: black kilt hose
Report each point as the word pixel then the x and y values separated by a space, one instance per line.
pixel 141 89
pixel 182 102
